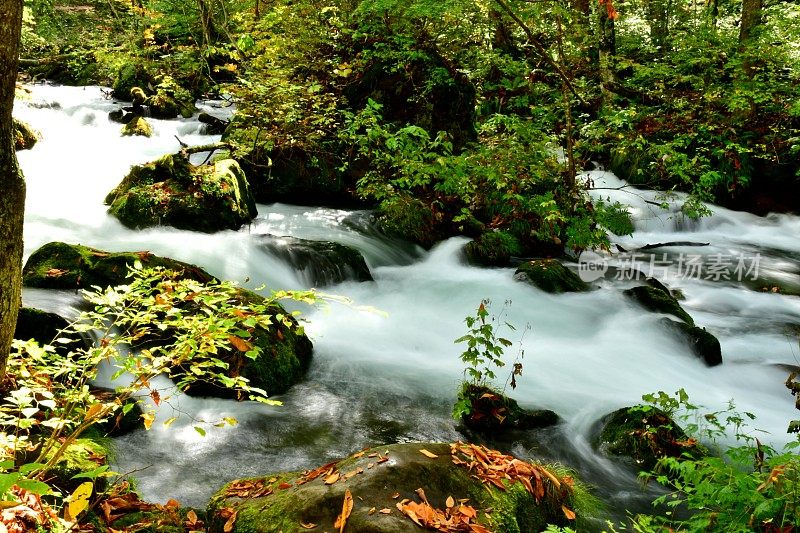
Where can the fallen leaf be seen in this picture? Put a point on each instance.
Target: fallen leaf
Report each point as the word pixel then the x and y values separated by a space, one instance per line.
pixel 239 343
pixel 347 508
pixel 450 502
pixel 333 478
pixel 385 510
pixel 307 526
pixel 428 454
pixel 569 513
pixel 56 273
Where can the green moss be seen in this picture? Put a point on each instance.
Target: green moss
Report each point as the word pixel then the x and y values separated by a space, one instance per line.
pixel 58 265
pixel 493 248
pixel 492 413
pixel 702 343
pixel 550 276
pixel 84 455
pixel 409 218
pixel 170 191
pixel 138 126
pixel 644 434
pixel 285 358
pixel 131 75
pixel 512 510
pixel 658 301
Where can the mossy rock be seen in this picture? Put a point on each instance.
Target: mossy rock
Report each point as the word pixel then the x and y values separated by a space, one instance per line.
pixel 382 486
pixel 644 434
pixel 550 276
pixel 130 76
pixel 323 262
pixel 80 457
pixel 297 174
pixel 164 105
pixel 492 413
pixel 703 344
pixel 657 300
pixel 493 248
pixel 408 218
pixel 143 517
pixel 171 191
pixel 58 265
pixel 25 137
pixel 39 325
pixel 284 361
pixel 137 126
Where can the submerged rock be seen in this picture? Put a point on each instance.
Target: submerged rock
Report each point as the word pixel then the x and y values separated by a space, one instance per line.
pixel 323 262
pixel 644 434
pixel 58 265
pixel 409 218
pixel 492 413
pixel 659 301
pixel 703 344
pixel 137 126
pixel 550 276
pixel 25 137
pixel 173 192
pixel 379 480
pixel 166 105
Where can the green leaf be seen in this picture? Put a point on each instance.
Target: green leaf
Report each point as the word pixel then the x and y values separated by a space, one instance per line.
pixel 37 487
pixel 200 430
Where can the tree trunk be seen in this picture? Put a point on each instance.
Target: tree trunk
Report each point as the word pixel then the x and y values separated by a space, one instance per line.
pixel 12 185
pixel 582 8
pixel 752 12
pixel 657 14
pixel 607 49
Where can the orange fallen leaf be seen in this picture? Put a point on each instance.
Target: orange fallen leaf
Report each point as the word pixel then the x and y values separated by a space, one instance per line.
pixel 56 273
pixel 428 454
pixel 450 502
pixel 385 510
pixel 569 513
pixel 333 478
pixel 307 526
pixel 347 508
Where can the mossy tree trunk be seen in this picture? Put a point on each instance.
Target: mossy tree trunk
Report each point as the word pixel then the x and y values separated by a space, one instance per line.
pixel 12 185
pixel 752 15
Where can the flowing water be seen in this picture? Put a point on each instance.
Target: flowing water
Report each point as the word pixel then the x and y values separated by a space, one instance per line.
pixel 385 366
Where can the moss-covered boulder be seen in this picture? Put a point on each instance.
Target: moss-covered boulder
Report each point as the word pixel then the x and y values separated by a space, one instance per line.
pixel 659 301
pixel 493 248
pixel 80 457
pixel 171 191
pixel 489 412
pixel 284 361
pixel 702 343
pixel 381 481
pixel 58 265
pixel 129 76
pixel 25 137
pixel 408 218
pixel 137 126
pixel 550 276
pixel 321 262
pixel 39 325
pixel 644 434
pixel 166 104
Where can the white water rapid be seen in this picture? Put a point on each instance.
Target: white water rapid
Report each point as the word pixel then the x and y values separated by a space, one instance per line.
pixel 391 375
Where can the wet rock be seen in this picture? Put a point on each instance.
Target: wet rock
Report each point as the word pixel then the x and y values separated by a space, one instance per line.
pixel 25 137
pixel 492 413
pixel 137 126
pixel 380 485
pixel 58 265
pixel 493 248
pixel 657 300
pixel 322 262
pixel 408 218
pixel 129 76
pixel 170 191
pixel 550 276
pixel 165 105
pixel 285 358
pixel 703 344
pixel 39 325
pixel 214 125
pixel 644 434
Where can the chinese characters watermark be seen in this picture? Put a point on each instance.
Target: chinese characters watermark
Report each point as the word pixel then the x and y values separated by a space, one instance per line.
pixel 636 266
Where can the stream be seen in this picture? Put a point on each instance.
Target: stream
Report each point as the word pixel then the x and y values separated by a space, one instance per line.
pixel 385 367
